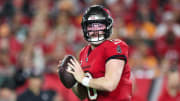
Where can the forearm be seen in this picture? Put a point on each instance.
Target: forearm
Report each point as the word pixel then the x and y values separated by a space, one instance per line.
pixel 102 84
pixel 111 79
pixel 109 82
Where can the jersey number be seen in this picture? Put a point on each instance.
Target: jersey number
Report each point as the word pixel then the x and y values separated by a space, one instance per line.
pixel 92 93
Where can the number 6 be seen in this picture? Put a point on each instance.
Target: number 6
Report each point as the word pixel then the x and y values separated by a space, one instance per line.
pixel 92 93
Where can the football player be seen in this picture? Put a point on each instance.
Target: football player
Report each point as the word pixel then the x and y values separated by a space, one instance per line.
pixel 103 68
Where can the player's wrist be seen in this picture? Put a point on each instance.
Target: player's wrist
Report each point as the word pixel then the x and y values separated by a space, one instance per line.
pixel 85 81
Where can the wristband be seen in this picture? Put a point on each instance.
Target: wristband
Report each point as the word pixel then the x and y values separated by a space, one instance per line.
pixel 85 81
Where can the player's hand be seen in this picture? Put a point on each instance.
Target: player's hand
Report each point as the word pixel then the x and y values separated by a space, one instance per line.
pixel 76 70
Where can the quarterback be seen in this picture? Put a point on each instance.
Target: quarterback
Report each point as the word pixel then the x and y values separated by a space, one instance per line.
pixel 103 64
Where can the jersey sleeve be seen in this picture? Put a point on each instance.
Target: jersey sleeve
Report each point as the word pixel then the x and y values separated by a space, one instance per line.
pixel 116 50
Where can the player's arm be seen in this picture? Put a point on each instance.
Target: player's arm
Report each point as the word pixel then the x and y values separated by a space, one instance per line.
pixel 114 69
pixel 109 82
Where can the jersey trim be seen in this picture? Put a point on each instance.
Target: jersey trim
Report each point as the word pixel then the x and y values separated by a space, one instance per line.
pixel 121 57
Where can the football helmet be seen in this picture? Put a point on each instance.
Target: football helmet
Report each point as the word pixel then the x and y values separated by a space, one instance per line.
pixel 97 20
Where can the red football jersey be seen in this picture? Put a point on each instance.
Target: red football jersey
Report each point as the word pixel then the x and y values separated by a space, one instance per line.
pixel 93 62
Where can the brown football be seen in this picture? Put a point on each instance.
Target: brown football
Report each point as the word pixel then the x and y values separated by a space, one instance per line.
pixel 66 78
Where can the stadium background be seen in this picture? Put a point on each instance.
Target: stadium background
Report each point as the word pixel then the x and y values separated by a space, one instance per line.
pixel 35 34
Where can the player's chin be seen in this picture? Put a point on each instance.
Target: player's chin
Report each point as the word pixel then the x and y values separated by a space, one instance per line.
pixel 96 43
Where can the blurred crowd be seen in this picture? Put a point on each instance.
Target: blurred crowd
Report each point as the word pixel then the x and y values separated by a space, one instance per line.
pixel 35 34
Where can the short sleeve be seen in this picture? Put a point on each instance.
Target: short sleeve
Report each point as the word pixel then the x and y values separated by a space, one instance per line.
pixel 116 50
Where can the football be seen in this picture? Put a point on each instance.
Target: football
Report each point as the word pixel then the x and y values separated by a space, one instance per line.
pixel 66 78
